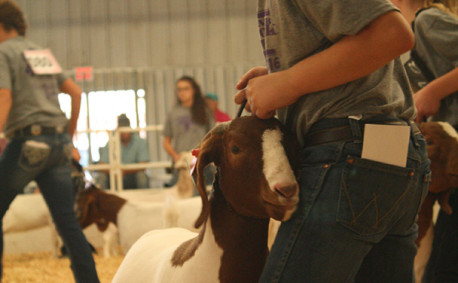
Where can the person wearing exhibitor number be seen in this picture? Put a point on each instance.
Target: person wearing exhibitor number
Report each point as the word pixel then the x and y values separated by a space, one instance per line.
pixel 39 146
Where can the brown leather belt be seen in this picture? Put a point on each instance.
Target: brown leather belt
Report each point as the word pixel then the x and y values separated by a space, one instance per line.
pixel 344 133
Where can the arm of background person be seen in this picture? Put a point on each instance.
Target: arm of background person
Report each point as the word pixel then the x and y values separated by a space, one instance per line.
pixel 72 89
pixel 427 100
pixel 6 101
pixel 351 58
pixel 169 148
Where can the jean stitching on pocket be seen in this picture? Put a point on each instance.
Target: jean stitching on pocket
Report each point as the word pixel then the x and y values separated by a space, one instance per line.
pixel 376 210
pixel 394 205
pixel 347 194
pixel 364 210
pixel 374 200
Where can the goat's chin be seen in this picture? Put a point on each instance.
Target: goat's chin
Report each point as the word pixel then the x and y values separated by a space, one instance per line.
pixel 281 213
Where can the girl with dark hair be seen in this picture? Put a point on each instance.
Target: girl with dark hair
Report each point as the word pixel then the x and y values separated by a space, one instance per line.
pixel 188 121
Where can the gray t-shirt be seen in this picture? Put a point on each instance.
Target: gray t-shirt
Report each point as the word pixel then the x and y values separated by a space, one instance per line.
pixel 184 132
pixel 34 96
pixel 294 30
pixel 436 43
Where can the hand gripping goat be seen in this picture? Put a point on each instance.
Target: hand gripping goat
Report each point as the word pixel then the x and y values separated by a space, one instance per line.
pixel 256 181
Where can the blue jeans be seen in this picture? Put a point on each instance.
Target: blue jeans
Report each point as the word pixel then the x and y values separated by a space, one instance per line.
pixel 443 263
pixel 46 159
pixel 356 218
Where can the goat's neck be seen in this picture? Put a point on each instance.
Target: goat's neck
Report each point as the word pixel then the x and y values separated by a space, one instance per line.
pixel 109 206
pixel 243 240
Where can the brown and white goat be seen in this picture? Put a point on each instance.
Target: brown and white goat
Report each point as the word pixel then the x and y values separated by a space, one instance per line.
pixel 132 219
pixel 442 147
pixel 255 182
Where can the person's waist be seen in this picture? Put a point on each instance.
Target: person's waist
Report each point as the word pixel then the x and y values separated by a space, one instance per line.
pixel 340 129
pixel 37 130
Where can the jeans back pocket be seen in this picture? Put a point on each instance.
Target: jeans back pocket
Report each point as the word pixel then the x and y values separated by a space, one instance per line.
pixel 372 194
pixel 34 155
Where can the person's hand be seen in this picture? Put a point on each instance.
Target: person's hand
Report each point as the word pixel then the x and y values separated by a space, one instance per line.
pixel 427 104
pixel 265 93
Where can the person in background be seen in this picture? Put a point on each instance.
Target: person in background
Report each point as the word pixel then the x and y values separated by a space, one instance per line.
pixel 212 102
pixel 333 71
pixel 133 150
pixel 40 138
pixel 187 122
pixel 433 73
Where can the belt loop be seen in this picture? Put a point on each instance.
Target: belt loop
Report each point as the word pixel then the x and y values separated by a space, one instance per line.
pixel 356 128
pixel 413 136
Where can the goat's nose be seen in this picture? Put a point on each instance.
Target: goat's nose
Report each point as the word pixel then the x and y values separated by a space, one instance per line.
pixel 286 191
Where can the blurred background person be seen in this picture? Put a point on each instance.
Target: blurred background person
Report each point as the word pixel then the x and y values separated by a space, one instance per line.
pixel 433 73
pixel 212 102
pixel 133 150
pixel 187 122
pixel 40 138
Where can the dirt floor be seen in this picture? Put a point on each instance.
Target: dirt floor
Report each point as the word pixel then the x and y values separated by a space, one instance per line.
pixel 44 267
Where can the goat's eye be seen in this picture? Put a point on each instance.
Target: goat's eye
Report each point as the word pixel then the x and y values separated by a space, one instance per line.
pixel 235 149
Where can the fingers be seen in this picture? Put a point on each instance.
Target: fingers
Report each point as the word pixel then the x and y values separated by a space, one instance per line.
pixel 254 72
pixel 240 96
pixel 264 115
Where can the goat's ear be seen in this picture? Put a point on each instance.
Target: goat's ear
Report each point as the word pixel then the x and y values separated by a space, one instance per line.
pixel 209 151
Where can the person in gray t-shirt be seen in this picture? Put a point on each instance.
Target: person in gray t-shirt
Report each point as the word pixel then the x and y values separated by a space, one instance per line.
pixel 40 146
pixel 436 47
pixel 188 121
pixel 332 68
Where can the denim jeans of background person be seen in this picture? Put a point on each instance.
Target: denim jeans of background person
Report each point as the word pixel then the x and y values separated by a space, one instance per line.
pixel 332 67
pixel 46 159
pixel 40 145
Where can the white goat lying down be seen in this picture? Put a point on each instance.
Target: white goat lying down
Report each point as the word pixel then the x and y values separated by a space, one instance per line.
pixel 133 219
pixel 26 212
pixel 256 181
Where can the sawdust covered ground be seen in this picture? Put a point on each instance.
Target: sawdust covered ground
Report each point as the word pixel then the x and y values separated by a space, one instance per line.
pixel 44 267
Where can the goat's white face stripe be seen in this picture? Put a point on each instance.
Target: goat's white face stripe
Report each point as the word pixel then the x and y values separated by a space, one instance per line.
pixel 276 166
pixel 449 129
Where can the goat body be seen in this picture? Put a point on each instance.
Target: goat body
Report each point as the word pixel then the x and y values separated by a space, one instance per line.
pixel 255 182
pixel 26 212
pixel 132 218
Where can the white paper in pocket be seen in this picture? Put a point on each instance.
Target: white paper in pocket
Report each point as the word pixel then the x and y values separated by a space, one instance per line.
pixel 386 143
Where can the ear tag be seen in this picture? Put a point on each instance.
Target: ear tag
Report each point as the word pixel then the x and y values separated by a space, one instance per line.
pixel 193 165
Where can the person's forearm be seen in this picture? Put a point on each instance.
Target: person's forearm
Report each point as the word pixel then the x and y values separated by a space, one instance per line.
pixel 353 57
pixel 71 88
pixel 444 85
pixel 169 149
pixel 6 101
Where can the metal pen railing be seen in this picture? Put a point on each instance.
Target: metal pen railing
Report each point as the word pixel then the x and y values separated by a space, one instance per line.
pixel 115 166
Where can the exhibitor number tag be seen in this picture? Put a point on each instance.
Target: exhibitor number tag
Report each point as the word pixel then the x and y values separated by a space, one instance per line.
pixel 42 62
